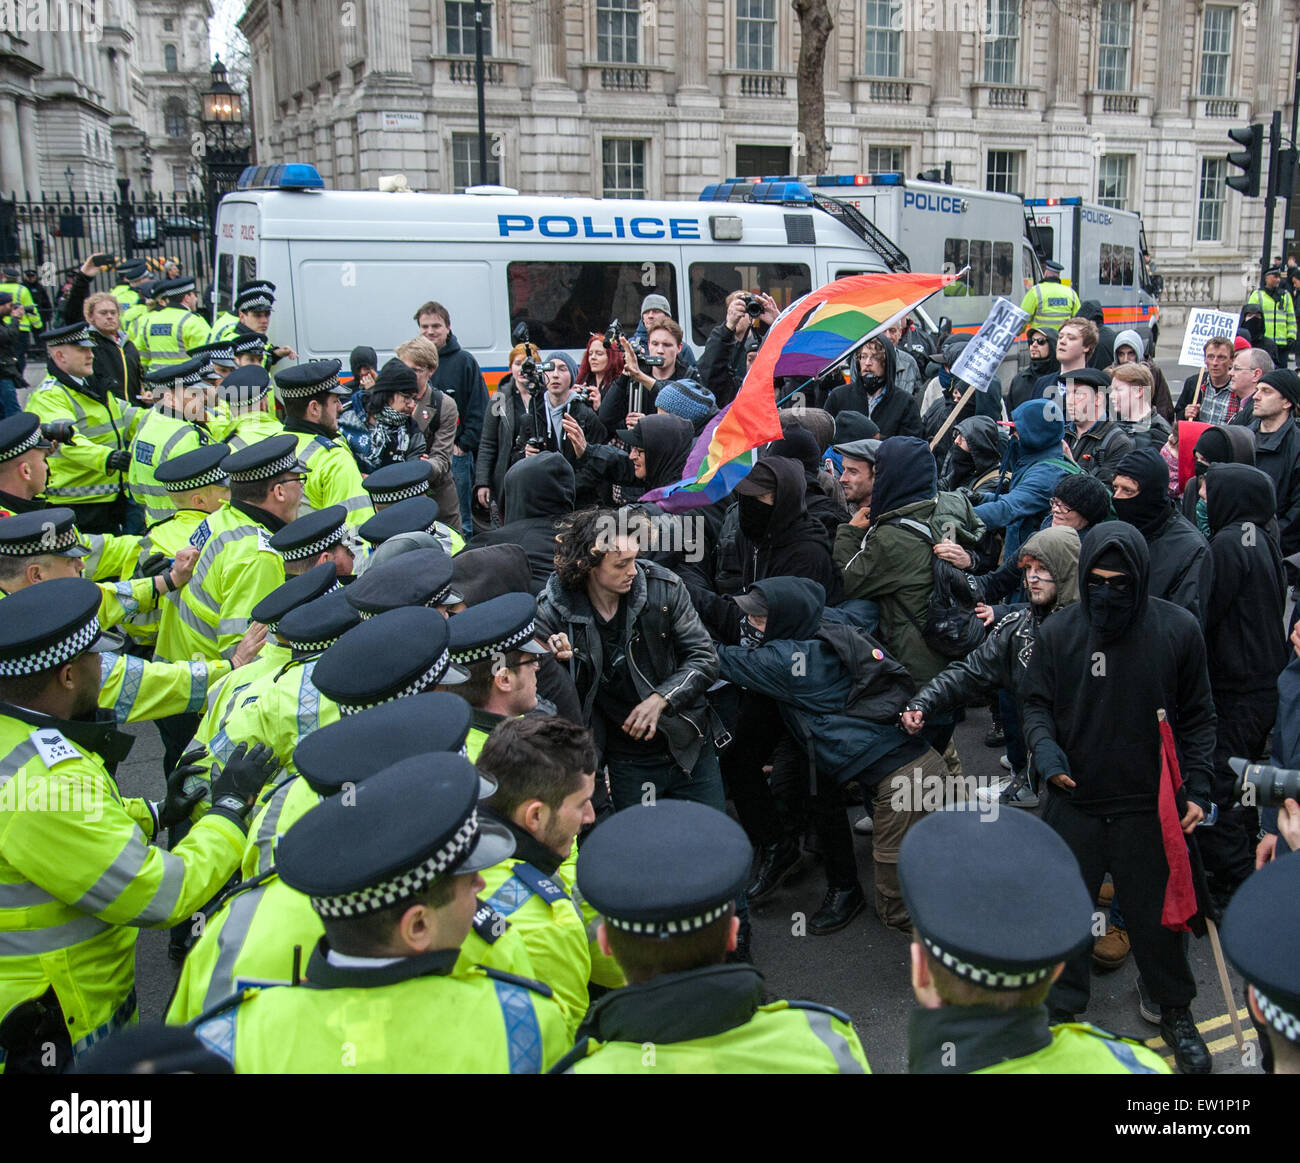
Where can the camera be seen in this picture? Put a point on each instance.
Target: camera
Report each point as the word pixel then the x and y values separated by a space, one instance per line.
pixel 59 431
pixel 535 442
pixel 582 395
pixel 613 333
pixel 1268 786
pixel 753 305
pixel 533 374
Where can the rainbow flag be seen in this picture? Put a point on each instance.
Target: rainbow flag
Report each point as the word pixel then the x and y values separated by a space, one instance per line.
pixel 809 336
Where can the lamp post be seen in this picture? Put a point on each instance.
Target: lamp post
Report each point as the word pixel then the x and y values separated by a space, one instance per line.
pixel 226 139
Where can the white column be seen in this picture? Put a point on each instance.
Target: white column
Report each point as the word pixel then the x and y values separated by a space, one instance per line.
pixel 1169 66
pixel 548 43
pixel 1268 52
pixel 693 45
pixel 388 37
pixel 31 164
pixel 11 155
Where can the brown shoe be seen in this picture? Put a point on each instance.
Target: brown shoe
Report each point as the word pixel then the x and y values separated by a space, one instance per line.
pixel 1106 894
pixel 1111 951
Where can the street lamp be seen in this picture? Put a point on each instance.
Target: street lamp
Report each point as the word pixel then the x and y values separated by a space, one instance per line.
pixel 226 138
pixel 222 106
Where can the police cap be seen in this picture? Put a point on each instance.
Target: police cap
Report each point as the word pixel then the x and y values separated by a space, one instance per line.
pixel 21 433
pixel 413 515
pixel 349 750
pixel 131 269
pixel 317 625
pixel 245 385
pixel 175 288
pixel 194 470
pixel 311 534
pixel 179 375
pixel 266 459
pixel 216 354
pixel 964 884
pixel 495 627
pixel 306 587
pixel 391 656
pixel 401 830
pixel 40 533
pixel 47 625
pixel 398 481
pixel 74 335
pixel 1262 941
pixel 419 578
pixel 1052 267
pixel 245 341
pixel 311 379
pixel 258 295
pixel 665 870
pixel 151 1048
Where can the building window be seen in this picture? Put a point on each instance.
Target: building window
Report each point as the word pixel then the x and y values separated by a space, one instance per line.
pixel 169 25
pixel 1112 180
pixel 1002 175
pixel 174 117
pixel 180 180
pixel 886 159
pixel 464 162
pixel 622 168
pixel 883 38
pixel 762 160
pixel 1114 43
pixel 169 57
pixel 460 28
pixel 1216 50
pixel 616 30
pixel 1209 206
pixel 755 34
pixel 1002 39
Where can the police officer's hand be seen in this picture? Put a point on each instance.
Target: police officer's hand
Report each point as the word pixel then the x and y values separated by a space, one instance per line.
pixel 236 786
pixel 119 460
pixel 177 804
pixel 154 564
pixel 284 353
pixel 643 720
pixel 250 645
pixel 183 567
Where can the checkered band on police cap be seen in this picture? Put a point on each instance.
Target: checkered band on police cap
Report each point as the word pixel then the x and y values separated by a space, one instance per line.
pixel 292 391
pixel 214 476
pixel 323 542
pixel 670 928
pixel 254 300
pixel 264 472
pixel 987 978
pixel 26 444
pixel 429 678
pixel 1284 1021
pixel 432 604
pixel 223 354
pixel 48 539
pixel 246 343
pixel 310 647
pixel 488 649
pixel 375 898
pixel 52 654
pixel 405 493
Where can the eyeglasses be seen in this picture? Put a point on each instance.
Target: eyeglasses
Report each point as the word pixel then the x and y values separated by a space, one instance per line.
pixel 1039 339
pixel 1059 508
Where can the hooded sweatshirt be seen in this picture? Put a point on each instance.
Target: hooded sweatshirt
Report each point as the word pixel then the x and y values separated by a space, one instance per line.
pixel 1090 699
pixel 1022 386
pixel 1244 639
pixel 977 468
pixel 1104 356
pixel 539 494
pixel 800 444
pixel 1218 444
pixel 895 414
pixel 1181 568
pixel 667 443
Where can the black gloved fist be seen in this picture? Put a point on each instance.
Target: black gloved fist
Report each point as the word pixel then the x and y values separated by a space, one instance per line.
pixel 119 460
pixel 177 804
pixel 153 565
pixel 236 786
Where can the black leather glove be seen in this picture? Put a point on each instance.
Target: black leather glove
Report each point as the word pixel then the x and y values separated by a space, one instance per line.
pixel 236 786
pixel 177 804
pixel 153 565
pixel 119 460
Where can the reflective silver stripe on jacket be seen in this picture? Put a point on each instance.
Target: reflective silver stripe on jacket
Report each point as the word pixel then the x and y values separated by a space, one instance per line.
pixel 116 878
pixel 820 1024
pixel 35 942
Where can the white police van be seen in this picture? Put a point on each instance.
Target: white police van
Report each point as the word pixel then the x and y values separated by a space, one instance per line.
pixel 351 267
pixel 1104 253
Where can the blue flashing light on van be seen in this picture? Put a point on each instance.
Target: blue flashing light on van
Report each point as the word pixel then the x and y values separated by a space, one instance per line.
pixel 285 176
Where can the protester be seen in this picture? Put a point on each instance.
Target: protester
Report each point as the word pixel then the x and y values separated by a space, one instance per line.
pixel 872 391
pixel 1277 448
pixel 1042 362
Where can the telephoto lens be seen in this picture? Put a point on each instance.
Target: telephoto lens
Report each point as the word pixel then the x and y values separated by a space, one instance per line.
pixel 60 431
pixel 1262 786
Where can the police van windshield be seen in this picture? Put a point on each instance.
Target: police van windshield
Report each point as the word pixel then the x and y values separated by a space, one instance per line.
pixel 712 282
pixel 564 303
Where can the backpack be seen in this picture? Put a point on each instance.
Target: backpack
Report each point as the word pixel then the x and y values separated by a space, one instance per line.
pixel 951 627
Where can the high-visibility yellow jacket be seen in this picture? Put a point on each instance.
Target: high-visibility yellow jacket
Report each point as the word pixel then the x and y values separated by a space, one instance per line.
pixel 1050 304
pixel 31 320
pixel 167 336
pixel 334 478
pixel 604 969
pixel 236 569
pixel 1279 314
pixel 78 877
pixel 168 536
pixel 133 319
pixel 159 436
pixel 79 471
pixel 250 428
pixel 126 295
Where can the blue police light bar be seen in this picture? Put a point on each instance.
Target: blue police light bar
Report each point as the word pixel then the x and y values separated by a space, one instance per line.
pixel 1053 201
pixel 782 193
pixel 777 193
pixel 285 176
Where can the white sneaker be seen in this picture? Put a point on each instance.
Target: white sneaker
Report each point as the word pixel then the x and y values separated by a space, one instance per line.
pixel 865 826
pixel 994 790
pixel 1002 759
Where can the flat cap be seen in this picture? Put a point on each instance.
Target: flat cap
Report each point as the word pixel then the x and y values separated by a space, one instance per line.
pixel 413 515
pixel 305 587
pixel 39 533
pixel 1263 942
pixel 317 625
pixel 495 628
pixel 311 379
pixel 20 433
pixel 265 459
pixel 47 625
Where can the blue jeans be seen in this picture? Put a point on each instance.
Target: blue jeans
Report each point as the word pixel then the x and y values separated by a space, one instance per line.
pixel 462 472
pixel 9 405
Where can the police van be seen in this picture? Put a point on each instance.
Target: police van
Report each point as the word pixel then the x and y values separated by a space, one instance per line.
pixel 1104 253
pixel 351 267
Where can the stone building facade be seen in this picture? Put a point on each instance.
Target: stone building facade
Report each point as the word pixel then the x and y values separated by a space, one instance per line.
pixel 1122 101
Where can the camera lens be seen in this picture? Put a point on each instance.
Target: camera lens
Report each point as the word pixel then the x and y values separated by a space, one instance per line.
pixel 1264 786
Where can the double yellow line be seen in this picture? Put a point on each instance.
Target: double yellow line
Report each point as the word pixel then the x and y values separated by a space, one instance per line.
pixel 1247 1030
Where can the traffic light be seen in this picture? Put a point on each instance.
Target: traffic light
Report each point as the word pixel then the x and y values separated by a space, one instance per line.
pixel 1249 161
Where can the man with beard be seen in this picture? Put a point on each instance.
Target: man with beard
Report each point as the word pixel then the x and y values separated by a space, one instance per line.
pixel 1042 362
pixel 1277 448
pixel 1100 672
pixel 1182 571
pixel 871 390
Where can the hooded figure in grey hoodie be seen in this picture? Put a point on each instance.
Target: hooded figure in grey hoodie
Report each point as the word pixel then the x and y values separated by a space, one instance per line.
pixel 1161 401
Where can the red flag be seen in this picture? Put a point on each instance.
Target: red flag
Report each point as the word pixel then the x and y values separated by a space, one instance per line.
pixel 1180 893
pixel 1189 432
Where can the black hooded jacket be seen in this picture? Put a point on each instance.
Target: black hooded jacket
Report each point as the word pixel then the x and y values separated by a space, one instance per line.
pixel 1104 355
pixel 1244 639
pixel 1182 570
pixel 1220 443
pixel 986 404
pixel 1023 385
pixel 895 415
pixel 667 443
pixel 977 468
pixel 799 444
pixel 1090 701
pixel 539 494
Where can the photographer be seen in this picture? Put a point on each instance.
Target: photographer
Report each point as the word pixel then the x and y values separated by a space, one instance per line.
pixel 505 418
pixel 543 428
pixel 654 310
pixel 602 366
pixel 626 402
pixel 723 365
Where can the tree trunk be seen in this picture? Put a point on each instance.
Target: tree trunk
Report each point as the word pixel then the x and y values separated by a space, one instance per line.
pixel 815 26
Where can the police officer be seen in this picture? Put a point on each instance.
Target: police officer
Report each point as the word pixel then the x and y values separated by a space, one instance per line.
pixel 495 642
pixel 88 474
pixel 167 336
pixel 132 317
pixel 253 932
pixel 393 874
pixel 249 348
pixel 23 466
pixel 131 274
pixel 405 480
pixel 30 321
pixel 237 566
pixel 318 537
pixel 413 515
pixel 666 878
pixel 989 944
pixel 67 969
pixel 253 302
pixel 312 396
pixel 1274 301
pixel 1261 939
pixel 176 424
pixel 246 392
pixel 1050 303
pixel 419 578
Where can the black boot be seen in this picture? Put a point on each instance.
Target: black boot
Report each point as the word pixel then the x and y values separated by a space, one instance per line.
pixel 995 736
pixel 839 907
pixel 778 862
pixel 1180 1033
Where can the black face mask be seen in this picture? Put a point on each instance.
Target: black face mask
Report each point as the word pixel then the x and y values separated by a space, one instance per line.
pixel 755 517
pixel 873 384
pixel 1110 609
pixel 1146 512
pixel 963 464
pixel 750 635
